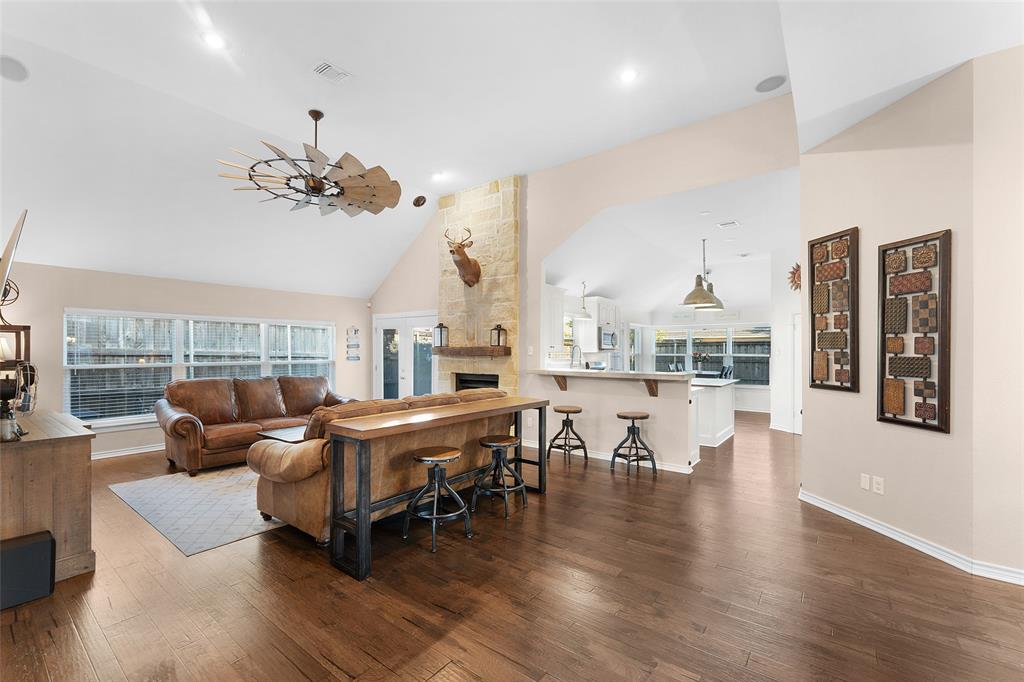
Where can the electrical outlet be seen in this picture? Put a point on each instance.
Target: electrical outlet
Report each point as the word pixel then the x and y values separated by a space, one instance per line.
pixel 529 420
pixel 865 482
pixel 529 350
pixel 878 485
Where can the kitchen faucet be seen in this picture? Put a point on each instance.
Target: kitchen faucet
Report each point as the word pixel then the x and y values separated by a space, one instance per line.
pixel 572 356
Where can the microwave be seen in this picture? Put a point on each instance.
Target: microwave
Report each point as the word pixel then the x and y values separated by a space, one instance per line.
pixel 607 339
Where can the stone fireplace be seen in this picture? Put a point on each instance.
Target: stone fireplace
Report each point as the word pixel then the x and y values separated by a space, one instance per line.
pixel 491 212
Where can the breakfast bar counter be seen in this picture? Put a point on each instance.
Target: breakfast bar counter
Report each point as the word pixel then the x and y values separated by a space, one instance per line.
pixel 601 394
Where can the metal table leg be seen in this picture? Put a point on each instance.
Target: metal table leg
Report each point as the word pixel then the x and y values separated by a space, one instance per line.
pixel 359 527
pixel 542 460
pixel 518 431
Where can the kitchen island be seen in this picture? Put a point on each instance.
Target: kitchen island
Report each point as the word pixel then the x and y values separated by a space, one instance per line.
pixel 603 393
pixel 716 410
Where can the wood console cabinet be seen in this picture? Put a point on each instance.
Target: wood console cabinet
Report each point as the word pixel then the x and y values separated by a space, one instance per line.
pixel 46 480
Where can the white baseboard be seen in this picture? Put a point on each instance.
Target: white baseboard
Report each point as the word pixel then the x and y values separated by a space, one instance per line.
pixel 955 559
pixel 719 438
pixel 137 450
pixel 607 456
pixel 785 429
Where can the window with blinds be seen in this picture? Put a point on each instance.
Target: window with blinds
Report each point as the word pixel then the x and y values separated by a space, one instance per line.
pixel 116 364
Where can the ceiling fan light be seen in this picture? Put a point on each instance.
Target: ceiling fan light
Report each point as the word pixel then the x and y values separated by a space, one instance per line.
pixel 699 296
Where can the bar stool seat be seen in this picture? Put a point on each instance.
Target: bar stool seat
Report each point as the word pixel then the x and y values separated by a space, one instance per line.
pixel 494 481
pixel 439 454
pixel 499 441
pixel 437 485
pixel 633 448
pixel 567 439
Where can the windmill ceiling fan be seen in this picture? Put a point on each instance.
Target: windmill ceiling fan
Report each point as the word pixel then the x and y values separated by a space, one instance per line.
pixel 345 184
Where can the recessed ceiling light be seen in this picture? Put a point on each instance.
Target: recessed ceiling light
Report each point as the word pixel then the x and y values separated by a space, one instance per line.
pixel 728 224
pixel 214 41
pixel 628 75
pixel 742 255
pixel 770 83
pixel 438 176
pixel 705 213
pixel 203 17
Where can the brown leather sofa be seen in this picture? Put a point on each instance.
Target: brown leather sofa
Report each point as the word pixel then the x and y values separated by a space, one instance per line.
pixel 294 484
pixel 212 422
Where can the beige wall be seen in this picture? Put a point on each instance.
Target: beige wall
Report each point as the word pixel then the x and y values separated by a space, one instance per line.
pixel 998 164
pixel 411 286
pixel 47 291
pixel 903 172
pixel 947 156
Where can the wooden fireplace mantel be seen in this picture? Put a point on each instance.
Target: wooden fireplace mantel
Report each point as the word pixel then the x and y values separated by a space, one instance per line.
pixel 473 351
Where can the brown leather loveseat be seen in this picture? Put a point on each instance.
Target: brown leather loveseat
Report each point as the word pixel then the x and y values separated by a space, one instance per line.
pixel 212 422
pixel 294 484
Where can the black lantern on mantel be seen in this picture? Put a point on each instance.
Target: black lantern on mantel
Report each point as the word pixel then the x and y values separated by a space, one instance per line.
pixel 499 336
pixel 440 335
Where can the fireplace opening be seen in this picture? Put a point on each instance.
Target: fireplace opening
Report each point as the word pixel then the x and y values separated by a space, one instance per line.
pixel 463 380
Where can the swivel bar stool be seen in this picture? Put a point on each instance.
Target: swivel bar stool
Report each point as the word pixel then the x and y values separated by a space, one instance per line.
pixel 567 439
pixel 499 472
pixel 630 447
pixel 437 482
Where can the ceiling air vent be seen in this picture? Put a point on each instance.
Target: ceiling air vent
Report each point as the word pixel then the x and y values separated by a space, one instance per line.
pixel 330 72
pixel 729 224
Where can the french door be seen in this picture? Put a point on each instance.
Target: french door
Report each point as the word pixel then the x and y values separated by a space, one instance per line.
pixel 403 360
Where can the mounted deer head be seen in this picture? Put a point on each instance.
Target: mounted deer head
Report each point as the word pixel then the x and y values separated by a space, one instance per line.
pixel 469 268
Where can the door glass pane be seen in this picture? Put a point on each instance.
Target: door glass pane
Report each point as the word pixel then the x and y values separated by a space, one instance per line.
pixel 422 360
pixel 389 364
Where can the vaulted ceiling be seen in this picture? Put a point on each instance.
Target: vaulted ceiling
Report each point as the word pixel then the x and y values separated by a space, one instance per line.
pixel 112 137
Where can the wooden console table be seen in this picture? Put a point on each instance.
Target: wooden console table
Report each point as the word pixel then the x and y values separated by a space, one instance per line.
pixel 47 485
pixel 362 431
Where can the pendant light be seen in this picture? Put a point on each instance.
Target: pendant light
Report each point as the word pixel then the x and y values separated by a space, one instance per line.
pixel 581 313
pixel 701 298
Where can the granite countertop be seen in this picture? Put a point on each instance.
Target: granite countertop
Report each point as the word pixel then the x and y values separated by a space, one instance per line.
pixel 609 374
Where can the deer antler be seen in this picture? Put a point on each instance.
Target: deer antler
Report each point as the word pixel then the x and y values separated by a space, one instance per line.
pixel 469 234
pixel 446 237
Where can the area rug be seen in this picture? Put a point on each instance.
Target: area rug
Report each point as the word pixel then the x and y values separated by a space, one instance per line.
pixel 200 512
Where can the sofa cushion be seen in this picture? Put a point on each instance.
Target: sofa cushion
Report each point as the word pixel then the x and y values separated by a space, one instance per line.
pixel 211 401
pixel 302 395
pixel 469 395
pixel 258 398
pixel 271 423
pixel 415 402
pixel 238 434
pixel 288 462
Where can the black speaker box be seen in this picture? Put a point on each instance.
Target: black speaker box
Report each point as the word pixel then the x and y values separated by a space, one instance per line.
pixel 26 568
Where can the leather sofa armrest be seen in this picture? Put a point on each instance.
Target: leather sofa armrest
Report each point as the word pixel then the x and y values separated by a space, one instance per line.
pixel 176 422
pixel 288 462
pixel 332 399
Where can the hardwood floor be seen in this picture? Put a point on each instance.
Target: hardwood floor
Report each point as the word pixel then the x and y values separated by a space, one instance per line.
pixel 723 575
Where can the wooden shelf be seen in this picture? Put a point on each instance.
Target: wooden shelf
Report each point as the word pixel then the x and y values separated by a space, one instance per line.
pixel 473 351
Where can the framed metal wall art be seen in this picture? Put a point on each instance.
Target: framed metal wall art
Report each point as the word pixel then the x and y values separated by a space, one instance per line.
pixel 833 295
pixel 914 279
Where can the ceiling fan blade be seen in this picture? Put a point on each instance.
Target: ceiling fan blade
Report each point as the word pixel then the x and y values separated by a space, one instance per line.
pixel 275 196
pixel 370 206
pixel 255 178
pixel 352 210
pixel 245 155
pixel 346 167
pixel 327 206
pixel 389 194
pixel 287 159
pixel 318 160
pixel 247 169
pixel 374 176
pixel 303 203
